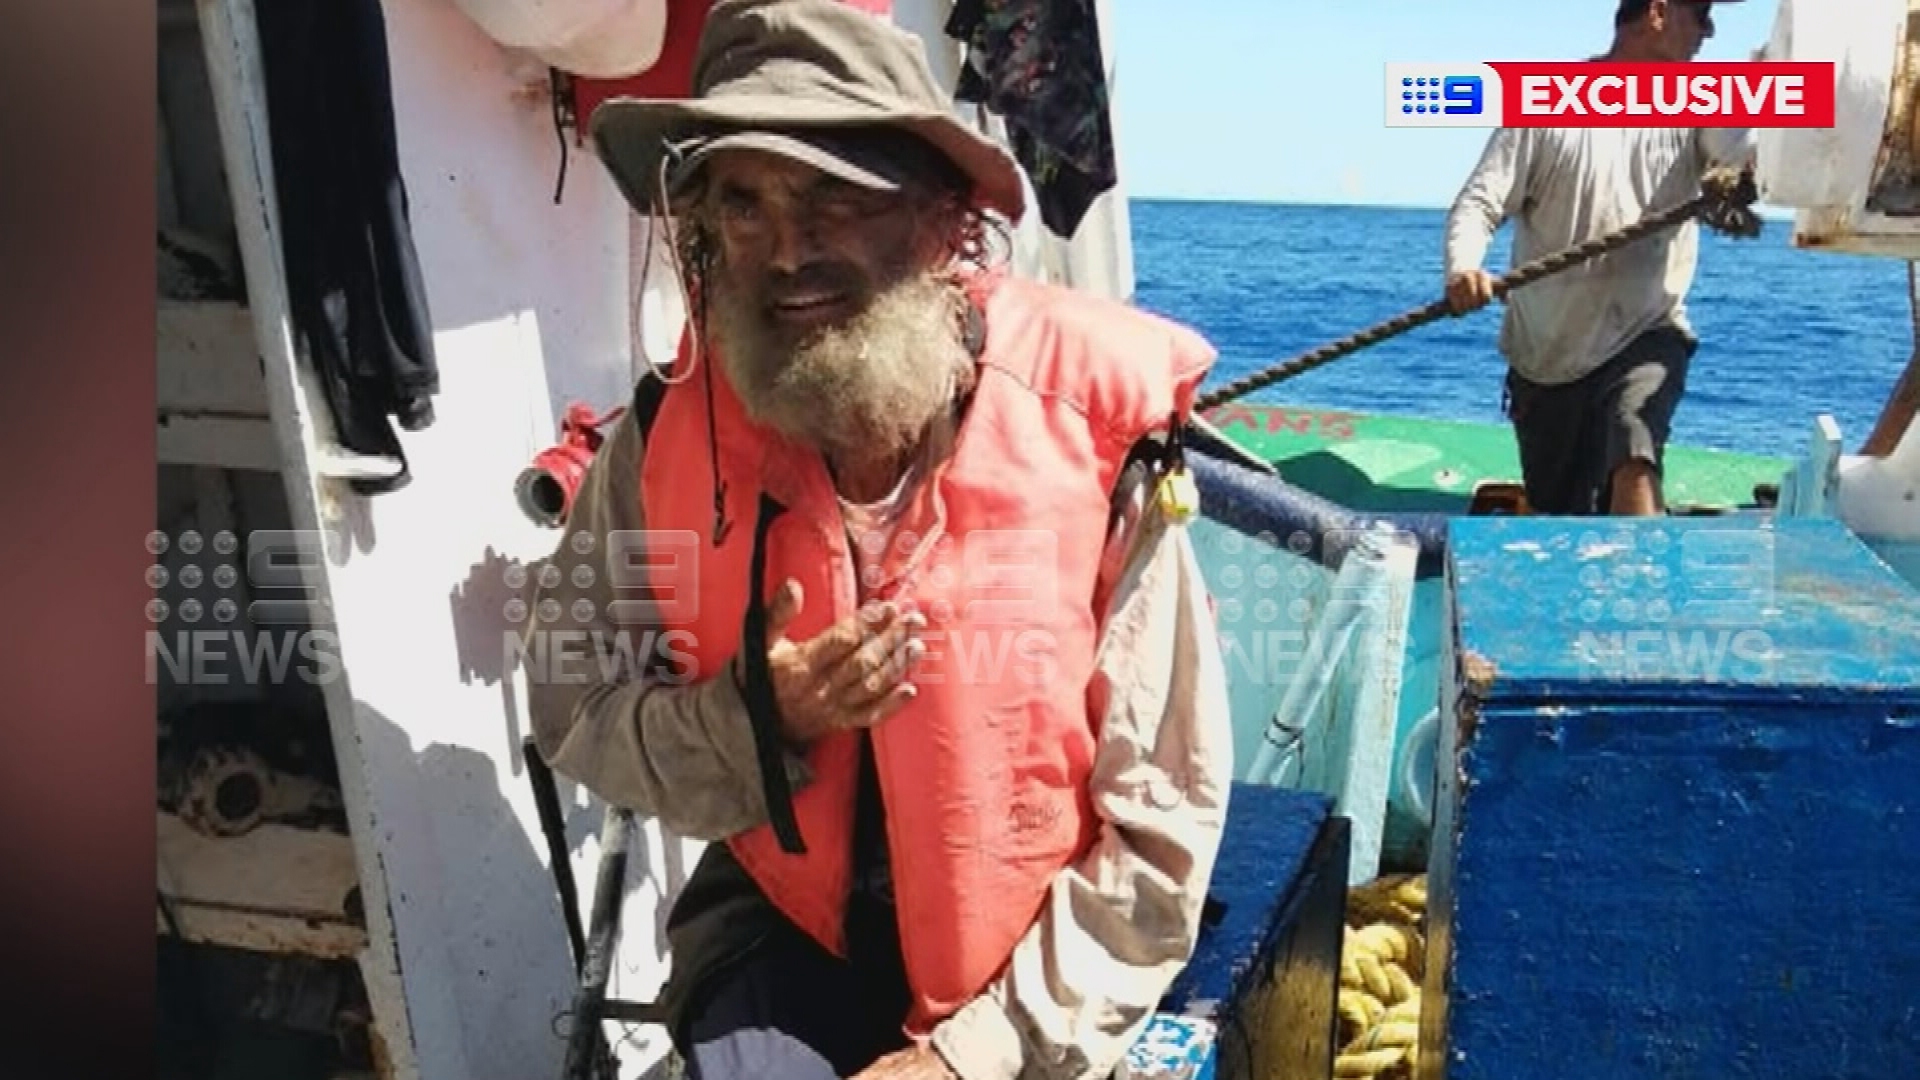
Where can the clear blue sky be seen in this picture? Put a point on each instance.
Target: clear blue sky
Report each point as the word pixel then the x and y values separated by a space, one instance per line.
pixel 1280 100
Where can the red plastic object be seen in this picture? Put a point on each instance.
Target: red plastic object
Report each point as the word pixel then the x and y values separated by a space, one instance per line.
pixel 546 488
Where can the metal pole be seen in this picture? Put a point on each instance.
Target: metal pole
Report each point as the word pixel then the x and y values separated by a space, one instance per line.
pixel 546 799
pixel 584 1042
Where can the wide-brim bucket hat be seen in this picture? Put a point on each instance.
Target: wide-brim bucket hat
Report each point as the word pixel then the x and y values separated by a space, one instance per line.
pixel 795 77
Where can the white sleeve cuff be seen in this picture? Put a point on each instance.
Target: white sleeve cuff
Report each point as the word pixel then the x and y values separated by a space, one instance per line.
pixel 980 1042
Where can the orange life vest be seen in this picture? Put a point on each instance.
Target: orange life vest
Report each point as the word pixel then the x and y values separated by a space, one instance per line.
pixel 984 774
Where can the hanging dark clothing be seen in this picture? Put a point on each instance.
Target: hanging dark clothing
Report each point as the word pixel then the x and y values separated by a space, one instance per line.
pixel 358 302
pixel 1037 64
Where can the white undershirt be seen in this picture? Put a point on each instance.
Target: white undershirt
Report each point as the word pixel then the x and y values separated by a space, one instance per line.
pixel 870 527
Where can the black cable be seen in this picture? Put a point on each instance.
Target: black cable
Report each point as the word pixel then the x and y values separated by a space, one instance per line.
pixel 556 83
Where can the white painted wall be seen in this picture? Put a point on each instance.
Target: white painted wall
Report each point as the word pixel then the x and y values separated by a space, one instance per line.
pixel 470 968
pixel 529 307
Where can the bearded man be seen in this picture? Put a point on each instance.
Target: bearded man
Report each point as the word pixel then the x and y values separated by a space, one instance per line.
pixel 945 697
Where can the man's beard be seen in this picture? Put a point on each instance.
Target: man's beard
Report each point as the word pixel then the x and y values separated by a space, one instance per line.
pixel 866 387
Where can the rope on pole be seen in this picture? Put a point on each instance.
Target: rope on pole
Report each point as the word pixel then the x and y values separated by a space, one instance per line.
pixel 1724 204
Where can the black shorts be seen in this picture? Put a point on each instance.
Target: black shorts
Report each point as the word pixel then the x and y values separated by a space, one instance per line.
pixel 1573 436
pixel 790 1010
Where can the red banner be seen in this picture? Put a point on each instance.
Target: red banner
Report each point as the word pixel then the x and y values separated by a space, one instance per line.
pixel 1700 94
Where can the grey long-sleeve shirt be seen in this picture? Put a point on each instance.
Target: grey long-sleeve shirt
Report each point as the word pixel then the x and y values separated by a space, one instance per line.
pixel 1565 186
pixel 1118 924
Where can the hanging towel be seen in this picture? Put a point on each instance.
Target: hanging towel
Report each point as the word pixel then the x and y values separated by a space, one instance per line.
pixel 1037 64
pixel 359 305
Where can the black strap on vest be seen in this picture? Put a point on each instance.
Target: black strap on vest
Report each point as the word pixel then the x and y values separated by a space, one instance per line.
pixel 763 708
pixel 648 393
pixel 1159 453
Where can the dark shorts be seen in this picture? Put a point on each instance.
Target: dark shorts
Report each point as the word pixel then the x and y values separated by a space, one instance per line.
pixel 1572 437
pixel 793 1011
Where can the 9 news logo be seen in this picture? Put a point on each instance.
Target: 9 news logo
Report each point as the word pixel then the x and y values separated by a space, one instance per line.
pixel 1441 96
pixel 1448 95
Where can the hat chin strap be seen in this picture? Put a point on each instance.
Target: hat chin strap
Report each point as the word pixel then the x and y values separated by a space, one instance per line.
pixel 696 339
pixel 667 225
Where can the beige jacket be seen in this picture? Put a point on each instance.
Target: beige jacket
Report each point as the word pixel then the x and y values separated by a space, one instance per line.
pixel 1563 187
pixel 1119 924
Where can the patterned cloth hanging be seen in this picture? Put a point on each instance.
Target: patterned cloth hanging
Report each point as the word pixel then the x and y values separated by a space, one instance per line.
pixel 1037 63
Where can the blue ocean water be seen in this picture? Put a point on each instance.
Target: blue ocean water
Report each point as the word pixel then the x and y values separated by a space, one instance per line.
pixel 1785 334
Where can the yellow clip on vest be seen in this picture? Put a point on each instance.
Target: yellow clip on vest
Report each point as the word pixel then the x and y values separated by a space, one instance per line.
pixel 1178 496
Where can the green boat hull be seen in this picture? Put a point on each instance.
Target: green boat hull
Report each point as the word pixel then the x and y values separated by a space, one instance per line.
pixel 1269 598
pixel 1396 463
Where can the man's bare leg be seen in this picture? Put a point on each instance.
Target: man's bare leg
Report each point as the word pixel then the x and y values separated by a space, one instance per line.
pixel 1898 412
pixel 1904 402
pixel 1636 490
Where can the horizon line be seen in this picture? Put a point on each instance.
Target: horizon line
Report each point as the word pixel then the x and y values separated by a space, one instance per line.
pixel 1763 209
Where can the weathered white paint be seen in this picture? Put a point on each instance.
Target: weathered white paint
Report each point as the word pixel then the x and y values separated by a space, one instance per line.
pixel 1825 174
pixel 1365 775
pixel 208 360
pixel 529 304
pixel 1815 167
pixel 271 889
pixel 1877 498
pixel 211 399
pixel 467 964
pixel 231 41
pixel 226 442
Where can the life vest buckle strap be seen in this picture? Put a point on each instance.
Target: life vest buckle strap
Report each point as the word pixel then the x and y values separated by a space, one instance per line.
pixel 763 708
pixel 1176 459
pixel 1177 496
